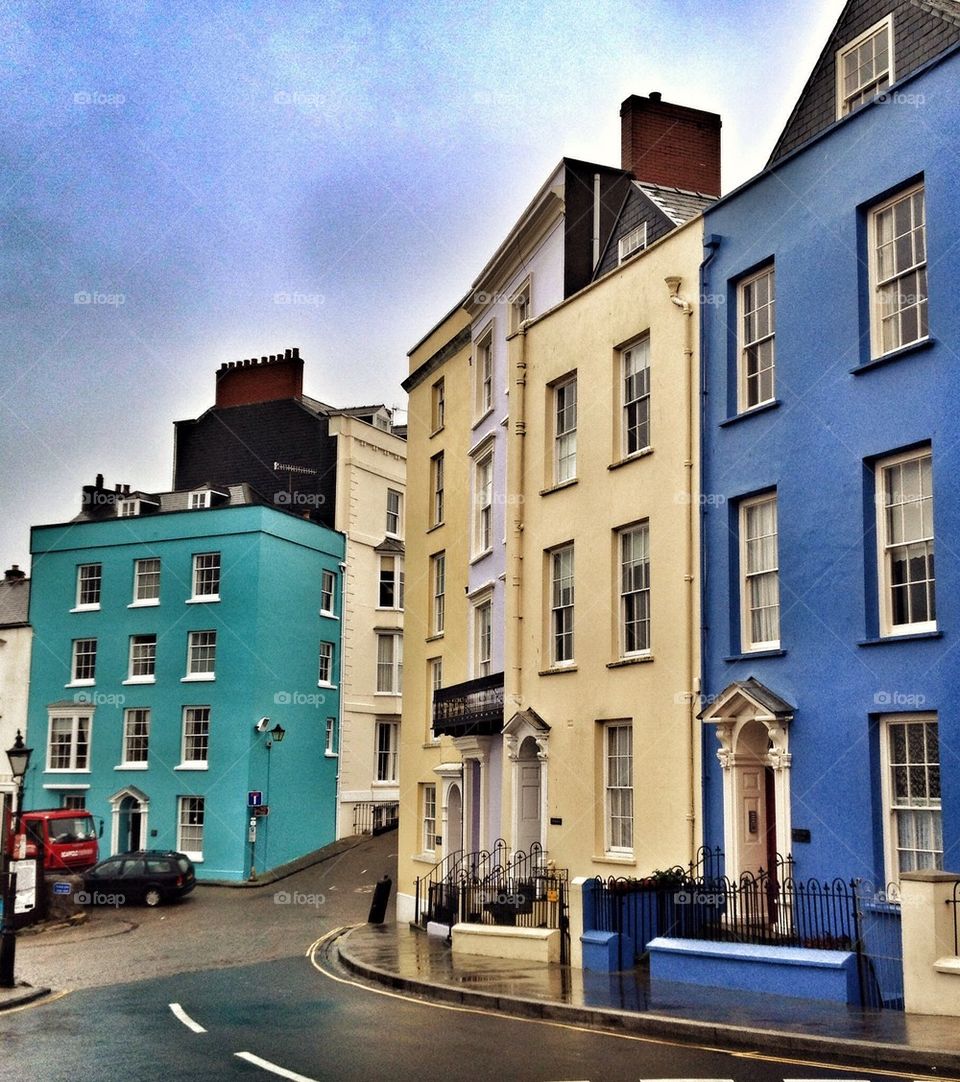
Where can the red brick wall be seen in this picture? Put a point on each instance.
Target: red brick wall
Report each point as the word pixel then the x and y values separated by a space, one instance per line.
pixel 670 144
pixel 244 383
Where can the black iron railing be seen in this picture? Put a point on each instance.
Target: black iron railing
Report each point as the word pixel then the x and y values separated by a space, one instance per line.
pixel 370 817
pixel 473 708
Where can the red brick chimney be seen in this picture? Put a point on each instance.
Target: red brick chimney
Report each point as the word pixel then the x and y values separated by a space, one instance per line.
pixel 670 145
pixel 244 383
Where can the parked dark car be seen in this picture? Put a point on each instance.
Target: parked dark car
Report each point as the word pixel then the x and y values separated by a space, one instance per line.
pixel 150 876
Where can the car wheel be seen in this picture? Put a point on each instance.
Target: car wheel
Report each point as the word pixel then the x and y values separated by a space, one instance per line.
pixel 152 896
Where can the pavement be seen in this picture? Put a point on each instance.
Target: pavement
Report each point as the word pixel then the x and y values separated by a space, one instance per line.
pixel 407 958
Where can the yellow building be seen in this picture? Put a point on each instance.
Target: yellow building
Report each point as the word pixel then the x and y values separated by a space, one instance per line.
pixel 440 414
pixel 602 636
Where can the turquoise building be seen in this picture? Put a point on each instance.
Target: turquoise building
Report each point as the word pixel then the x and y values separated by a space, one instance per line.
pixel 174 633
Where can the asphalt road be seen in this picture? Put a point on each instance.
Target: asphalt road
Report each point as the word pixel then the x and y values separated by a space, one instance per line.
pixel 226 986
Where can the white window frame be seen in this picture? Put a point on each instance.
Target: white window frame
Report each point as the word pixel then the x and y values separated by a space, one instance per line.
pixel 520 306
pixel 632 242
pixel 892 807
pixel 128 508
pixel 192 717
pixel 436 489
pixel 918 268
pixel 482 623
pixel 483 376
pixel 884 548
pixel 86 576
pixel 438 587
pixel 437 406
pixel 201 573
pixel 634 582
pixel 73 801
pixel 330 738
pixel 328 593
pixel 133 716
pixel 196 648
pixel 387 753
pixel 325 657
pixel 199 500
pixel 483 503
pixel 389 669
pixel 564 398
pixel 637 394
pixel 75 679
pixel 140 657
pixel 755 341
pixel 434 683
pixel 747 642
pixel 190 808
pixel 428 816
pixel 618 822
pixel 76 764
pixel 394 526
pixel 140 575
pixel 844 99
pixel 562 605
pixel 390 578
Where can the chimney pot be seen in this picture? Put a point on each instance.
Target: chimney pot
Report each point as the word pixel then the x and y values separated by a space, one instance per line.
pixel 296 351
pixel 655 95
pixel 14 574
pixel 99 485
pixel 287 354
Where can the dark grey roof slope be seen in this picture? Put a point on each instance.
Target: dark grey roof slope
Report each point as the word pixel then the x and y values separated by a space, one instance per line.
pixel 14 602
pixel 922 30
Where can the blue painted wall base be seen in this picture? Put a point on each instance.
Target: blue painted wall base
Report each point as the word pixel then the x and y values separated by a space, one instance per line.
pixel 784 971
pixel 607 952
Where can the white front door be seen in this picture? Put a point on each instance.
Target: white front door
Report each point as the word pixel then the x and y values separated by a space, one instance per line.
pixel 528 797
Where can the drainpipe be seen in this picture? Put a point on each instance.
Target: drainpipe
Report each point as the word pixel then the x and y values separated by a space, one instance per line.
pixel 515 476
pixel 690 494
pixel 596 220
pixel 338 736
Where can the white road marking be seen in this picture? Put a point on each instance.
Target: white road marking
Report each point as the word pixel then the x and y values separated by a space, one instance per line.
pixel 268 1066
pixel 181 1015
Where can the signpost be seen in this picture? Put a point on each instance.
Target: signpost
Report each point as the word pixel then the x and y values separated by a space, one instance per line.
pixel 254 798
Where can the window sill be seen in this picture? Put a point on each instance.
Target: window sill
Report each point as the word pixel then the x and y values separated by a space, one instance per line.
pixel 615 858
pixel 68 770
pixel 198 678
pixel 326 686
pixel 752 655
pixel 481 556
pixel 197 858
pixel 434 638
pixel 329 615
pixel 482 417
pixel 425 858
pixel 436 432
pixel 80 684
pixel 132 766
pixel 894 355
pixel 139 680
pixel 644 452
pixel 204 600
pixel 387 608
pixel 192 766
pixel 62 786
pixel 435 526
pixel 387 694
pixel 146 603
pixel 908 637
pixel 330 755
pixel 86 608
pixel 569 483
pixel 751 412
pixel 640 659
pixel 430 744
pixel 557 670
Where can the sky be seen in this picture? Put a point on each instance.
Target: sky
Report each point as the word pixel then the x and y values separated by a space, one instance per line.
pixel 184 184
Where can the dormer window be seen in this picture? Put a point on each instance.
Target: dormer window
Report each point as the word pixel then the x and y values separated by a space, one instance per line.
pixel 865 67
pixel 199 499
pixel 128 508
pixel 634 241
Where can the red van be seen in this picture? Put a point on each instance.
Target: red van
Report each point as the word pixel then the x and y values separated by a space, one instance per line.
pixel 68 837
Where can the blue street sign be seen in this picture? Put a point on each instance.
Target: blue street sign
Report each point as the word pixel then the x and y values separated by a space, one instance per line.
pixel 254 798
pixel 61 888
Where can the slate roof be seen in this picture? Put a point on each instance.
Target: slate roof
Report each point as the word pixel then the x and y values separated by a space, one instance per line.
pixel 241 495
pixel 946 9
pixel 678 205
pixel 760 693
pixel 14 602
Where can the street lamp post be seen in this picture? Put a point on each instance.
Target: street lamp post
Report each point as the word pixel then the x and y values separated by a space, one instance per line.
pixel 276 734
pixel 19 756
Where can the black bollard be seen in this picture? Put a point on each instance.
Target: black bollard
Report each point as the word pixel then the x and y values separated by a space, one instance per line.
pixel 381 895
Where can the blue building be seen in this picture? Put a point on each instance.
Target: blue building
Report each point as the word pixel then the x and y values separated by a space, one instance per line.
pixel 830 451
pixel 174 632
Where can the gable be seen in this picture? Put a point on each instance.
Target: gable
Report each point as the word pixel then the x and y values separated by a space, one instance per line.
pixel 922 30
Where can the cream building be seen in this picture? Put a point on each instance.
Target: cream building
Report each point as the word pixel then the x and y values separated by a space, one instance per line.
pixel 602 612
pixel 371 468
pixel 15 640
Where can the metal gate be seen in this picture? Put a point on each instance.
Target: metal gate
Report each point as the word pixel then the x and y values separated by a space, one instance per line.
pixel 879 946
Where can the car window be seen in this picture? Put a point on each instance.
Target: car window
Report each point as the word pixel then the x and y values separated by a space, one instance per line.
pixel 158 867
pixel 132 868
pixel 184 864
pixel 108 869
